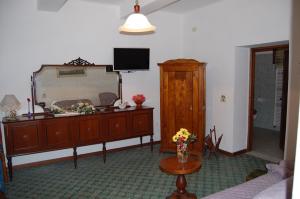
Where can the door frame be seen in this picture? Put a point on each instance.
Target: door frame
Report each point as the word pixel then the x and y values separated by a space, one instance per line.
pixel 252 86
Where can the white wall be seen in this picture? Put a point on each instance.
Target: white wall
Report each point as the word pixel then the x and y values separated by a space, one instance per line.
pixel 296 192
pixel 87 29
pixel 294 86
pixel 241 99
pixel 220 29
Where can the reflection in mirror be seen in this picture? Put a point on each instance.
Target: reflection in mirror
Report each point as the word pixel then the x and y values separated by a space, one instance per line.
pixel 55 83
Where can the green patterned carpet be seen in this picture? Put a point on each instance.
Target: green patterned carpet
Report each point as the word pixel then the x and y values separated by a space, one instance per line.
pixel 129 174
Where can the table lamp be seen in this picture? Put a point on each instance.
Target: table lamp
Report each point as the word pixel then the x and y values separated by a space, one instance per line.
pixel 10 104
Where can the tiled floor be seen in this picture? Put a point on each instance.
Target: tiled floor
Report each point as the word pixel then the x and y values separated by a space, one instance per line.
pixel 266 144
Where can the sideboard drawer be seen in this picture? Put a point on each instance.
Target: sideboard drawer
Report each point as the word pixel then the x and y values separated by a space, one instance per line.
pixel 116 126
pixel 89 130
pixel 24 138
pixel 142 122
pixel 58 133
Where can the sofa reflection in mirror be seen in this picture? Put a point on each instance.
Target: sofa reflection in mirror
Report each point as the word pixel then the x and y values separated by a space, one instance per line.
pixel 63 89
pixel 107 98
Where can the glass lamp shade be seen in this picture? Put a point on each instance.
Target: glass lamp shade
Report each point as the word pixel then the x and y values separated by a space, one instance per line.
pixel 10 104
pixel 137 23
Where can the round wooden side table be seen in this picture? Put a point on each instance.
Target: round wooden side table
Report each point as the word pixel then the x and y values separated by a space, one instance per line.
pixel 171 165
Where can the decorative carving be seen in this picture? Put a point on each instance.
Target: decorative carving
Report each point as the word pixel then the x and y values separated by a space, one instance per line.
pixel 79 62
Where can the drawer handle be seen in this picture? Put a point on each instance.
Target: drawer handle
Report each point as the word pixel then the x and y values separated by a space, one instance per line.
pixel 117 125
pixel 25 136
pixel 57 133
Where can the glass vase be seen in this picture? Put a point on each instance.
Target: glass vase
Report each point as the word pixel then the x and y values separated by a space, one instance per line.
pixel 182 152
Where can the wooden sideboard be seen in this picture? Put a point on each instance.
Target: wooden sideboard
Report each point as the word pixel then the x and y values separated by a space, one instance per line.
pixel 47 133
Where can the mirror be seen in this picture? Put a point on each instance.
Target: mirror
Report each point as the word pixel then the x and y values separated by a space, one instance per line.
pixel 76 80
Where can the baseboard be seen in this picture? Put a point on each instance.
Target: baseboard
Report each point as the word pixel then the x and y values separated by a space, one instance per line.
pixel 98 153
pixel 233 154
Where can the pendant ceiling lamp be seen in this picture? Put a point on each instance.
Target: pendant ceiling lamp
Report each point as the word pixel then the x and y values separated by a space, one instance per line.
pixel 137 22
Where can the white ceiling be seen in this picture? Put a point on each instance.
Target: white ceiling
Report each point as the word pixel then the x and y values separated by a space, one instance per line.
pixel 174 6
pixel 114 2
pixel 179 7
pixel 185 6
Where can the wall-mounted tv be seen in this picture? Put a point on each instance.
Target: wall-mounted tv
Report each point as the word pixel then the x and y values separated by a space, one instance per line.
pixel 131 59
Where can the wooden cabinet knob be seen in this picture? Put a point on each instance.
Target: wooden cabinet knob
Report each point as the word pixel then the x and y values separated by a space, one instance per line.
pixel 117 125
pixel 89 129
pixel 57 133
pixel 25 136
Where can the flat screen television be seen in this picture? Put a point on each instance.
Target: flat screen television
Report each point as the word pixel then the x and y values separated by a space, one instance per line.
pixel 131 59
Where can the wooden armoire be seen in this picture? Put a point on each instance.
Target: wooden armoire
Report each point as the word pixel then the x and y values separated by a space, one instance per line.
pixel 182 101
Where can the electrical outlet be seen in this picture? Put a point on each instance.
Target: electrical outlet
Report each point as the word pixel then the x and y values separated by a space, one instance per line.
pixel 223 98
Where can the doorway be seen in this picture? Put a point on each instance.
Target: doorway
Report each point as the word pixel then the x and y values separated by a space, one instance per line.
pixel 268 102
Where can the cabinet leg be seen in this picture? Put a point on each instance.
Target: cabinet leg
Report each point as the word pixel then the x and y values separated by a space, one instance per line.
pixel 104 152
pixel 141 141
pixel 75 157
pixel 151 142
pixel 10 171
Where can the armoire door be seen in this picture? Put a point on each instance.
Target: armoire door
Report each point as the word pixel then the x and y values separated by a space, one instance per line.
pixel 178 103
pixel 182 102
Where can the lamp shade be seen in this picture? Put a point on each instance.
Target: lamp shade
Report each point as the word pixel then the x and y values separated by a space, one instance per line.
pixel 10 103
pixel 137 23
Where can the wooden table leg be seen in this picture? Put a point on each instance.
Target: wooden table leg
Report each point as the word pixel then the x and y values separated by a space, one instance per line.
pixel 151 142
pixel 104 152
pixel 181 184
pixel 181 192
pixel 9 164
pixel 75 157
pixel 141 141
